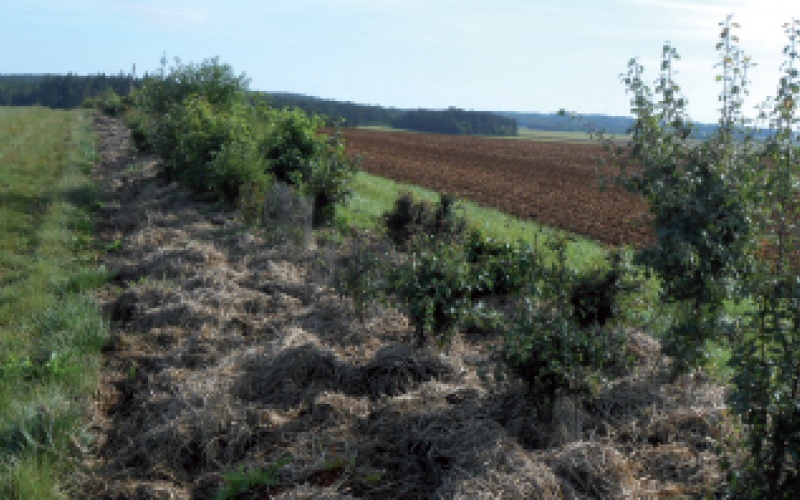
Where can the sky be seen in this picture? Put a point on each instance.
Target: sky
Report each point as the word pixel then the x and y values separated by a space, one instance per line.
pixel 488 55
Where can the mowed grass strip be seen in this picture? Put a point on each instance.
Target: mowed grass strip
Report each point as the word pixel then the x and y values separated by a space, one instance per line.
pixel 51 332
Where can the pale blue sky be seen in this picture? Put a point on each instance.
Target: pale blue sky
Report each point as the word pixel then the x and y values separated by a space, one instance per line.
pixel 516 55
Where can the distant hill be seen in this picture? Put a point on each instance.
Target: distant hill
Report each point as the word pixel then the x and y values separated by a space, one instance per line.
pixel 608 124
pixel 560 123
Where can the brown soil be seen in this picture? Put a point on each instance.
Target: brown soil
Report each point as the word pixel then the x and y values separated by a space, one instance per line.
pixel 553 183
pixel 227 351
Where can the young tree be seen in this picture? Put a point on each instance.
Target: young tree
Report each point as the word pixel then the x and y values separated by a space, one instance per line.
pixel 698 195
pixel 766 356
pixel 725 210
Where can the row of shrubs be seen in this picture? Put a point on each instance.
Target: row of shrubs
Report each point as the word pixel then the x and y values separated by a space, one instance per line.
pixel 558 334
pixel 217 139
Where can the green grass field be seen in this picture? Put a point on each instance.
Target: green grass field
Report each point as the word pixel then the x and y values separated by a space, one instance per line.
pixel 373 196
pixel 568 137
pixel 51 332
pixel 524 134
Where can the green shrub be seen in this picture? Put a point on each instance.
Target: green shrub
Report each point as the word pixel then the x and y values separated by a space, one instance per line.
pixel 214 81
pixel 211 150
pixel 137 122
pixel 715 200
pixel 552 355
pixel 331 179
pixel 434 288
pixel 766 354
pixel 109 103
pixel 699 193
pixel 406 219
pixel 593 295
pixel 197 119
pixel 547 348
pixel 297 154
pixel 500 268
pixel 363 275
pixel 216 140
pixel 410 219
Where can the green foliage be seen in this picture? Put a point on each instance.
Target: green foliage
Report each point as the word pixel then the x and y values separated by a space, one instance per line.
pixel 456 121
pixel 545 345
pixel 500 267
pixel 214 81
pixel 62 91
pixel 109 103
pixel 331 179
pixel 594 294
pixel 253 483
pixel 699 200
pixel 434 288
pixel 766 355
pixel 336 112
pixel 363 276
pixel 197 119
pixel 411 219
pixel 210 149
pixel 449 121
pixel 315 163
pixel 219 143
pixel 137 122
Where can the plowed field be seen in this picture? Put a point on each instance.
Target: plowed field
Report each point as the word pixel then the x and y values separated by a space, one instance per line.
pixel 550 182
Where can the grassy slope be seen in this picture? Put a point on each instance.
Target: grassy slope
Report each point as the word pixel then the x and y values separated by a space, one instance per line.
pixel 50 332
pixel 373 196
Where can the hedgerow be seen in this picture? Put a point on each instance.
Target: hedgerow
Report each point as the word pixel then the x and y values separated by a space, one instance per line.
pixel 216 140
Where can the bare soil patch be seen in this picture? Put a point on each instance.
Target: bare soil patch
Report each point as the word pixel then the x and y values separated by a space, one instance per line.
pixel 550 182
pixel 228 352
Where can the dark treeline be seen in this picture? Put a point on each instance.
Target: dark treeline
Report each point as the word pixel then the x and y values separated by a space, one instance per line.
pixel 59 91
pixel 336 112
pixel 448 121
pixel 456 121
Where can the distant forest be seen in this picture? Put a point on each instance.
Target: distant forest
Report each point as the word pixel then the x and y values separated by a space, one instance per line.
pixel 447 121
pixel 59 91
